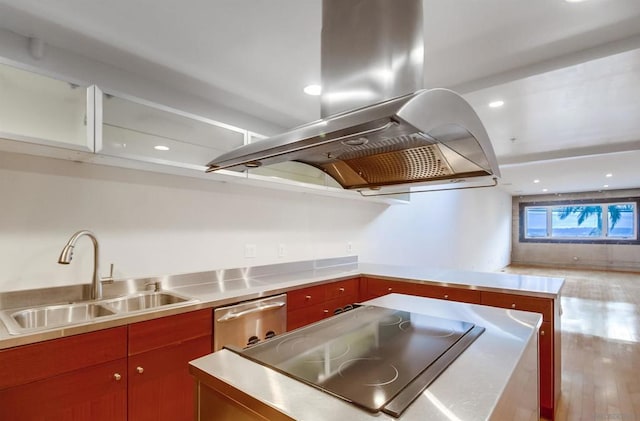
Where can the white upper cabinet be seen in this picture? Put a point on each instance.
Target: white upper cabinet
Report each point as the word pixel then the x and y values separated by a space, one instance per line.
pixel 140 130
pixel 45 111
pixel 45 116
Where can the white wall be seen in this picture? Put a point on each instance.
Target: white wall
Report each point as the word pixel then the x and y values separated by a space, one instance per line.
pixel 456 229
pixel 156 224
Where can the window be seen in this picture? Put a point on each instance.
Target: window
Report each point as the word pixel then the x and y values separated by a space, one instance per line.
pixel 580 221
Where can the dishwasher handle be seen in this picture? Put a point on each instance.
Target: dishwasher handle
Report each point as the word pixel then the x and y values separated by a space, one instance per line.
pixel 233 316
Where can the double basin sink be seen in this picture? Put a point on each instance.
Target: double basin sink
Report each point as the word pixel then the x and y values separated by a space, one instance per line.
pixel 40 318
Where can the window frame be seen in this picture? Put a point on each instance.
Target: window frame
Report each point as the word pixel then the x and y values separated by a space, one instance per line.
pixel 604 203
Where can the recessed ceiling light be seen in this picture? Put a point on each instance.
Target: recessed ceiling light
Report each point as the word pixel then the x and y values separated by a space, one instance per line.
pixel 496 104
pixel 605 186
pixel 313 90
pixel 161 148
pixel 536 181
pixel 574 1
pixel 545 190
pixel 608 175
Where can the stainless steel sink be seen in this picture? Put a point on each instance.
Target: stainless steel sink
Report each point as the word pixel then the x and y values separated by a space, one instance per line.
pixel 46 317
pixel 143 301
pixel 26 320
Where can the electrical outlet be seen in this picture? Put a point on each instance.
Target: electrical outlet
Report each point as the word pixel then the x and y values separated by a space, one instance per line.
pixel 250 251
pixel 282 250
pixel 349 247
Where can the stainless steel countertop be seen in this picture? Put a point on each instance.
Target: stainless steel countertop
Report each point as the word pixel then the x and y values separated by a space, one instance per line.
pixel 470 388
pixel 218 288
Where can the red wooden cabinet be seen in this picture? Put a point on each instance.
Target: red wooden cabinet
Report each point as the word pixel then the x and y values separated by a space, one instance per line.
pixel 545 344
pixel 462 295
pixel 137 372
pixel 375 287
pixel 543 306
pixel 160 386
pixel 79 377
pixel 548 342
pixel 308 305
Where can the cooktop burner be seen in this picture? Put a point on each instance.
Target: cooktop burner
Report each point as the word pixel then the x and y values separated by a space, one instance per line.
pixel 377 358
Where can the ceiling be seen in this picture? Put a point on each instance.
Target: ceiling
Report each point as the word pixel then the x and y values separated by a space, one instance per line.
pixel 568 73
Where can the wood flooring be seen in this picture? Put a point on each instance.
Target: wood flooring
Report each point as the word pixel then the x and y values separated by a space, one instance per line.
pixel 600 343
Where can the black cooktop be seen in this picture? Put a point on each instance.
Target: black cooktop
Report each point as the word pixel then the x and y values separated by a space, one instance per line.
pixel 377 358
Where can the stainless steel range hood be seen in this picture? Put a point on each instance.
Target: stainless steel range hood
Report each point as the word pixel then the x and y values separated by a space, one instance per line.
pixel 372 53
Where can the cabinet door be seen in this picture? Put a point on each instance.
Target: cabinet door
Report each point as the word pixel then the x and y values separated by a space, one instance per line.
pixel 46 111
pixel 97 393
pixel 143 131
pixel 160 386
pixel 546 367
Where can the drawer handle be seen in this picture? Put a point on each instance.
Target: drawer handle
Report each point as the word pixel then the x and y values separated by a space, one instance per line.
pixel 325 311
pixel 140 370
pixel 389 289
pixel 341 290
pixel 446 296
pixel 307 297
pixel 513 306
pixel 117 377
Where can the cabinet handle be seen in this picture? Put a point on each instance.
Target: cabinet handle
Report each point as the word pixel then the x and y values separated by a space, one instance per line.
pixel 341 290
pixel 542 333
pixel 389 289
pixel 140 370
pixel 307 297
pixel 513 305
pixel 446 296
pixel 325 311
pixel 117 377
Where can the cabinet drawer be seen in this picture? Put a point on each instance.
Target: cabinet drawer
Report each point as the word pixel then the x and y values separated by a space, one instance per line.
pixel 304 316
pixel 378 287
pixel 305 297
pixel 543 306
pixel 449 293
pixel 153 334
pixel 37 361
pixel 348 287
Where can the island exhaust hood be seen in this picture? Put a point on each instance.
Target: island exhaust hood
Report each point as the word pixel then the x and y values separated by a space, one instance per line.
pixel 372 53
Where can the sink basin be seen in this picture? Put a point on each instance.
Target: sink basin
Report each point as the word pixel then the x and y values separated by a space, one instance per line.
pixel 143 301
pixel 41 318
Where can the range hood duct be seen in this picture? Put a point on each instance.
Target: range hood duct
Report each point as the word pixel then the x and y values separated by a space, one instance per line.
pixel 372 53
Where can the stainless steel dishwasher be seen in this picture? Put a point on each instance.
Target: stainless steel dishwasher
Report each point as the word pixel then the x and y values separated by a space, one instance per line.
pixel 250 322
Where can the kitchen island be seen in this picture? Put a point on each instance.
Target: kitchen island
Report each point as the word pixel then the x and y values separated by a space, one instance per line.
pixel 496 378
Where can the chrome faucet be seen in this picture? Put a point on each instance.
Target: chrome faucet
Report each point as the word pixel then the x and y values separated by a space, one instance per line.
pixel 67 254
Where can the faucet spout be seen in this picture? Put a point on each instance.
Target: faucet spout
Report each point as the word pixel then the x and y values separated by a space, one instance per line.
pixel 67 254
